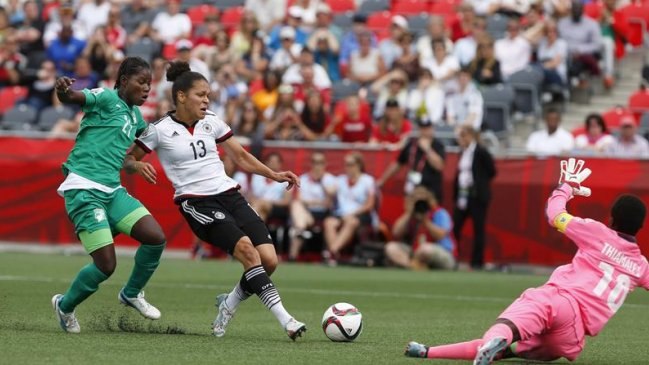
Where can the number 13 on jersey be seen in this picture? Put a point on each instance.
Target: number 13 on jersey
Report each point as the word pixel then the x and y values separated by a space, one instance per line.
pixel 618 294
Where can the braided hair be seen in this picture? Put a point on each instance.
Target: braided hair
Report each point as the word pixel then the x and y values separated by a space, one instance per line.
pixel 129 67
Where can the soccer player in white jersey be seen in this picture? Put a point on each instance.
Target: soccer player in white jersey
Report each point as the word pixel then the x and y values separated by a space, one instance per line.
pixel 186 141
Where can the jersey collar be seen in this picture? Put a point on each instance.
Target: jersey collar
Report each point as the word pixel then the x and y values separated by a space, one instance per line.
pixel 190 129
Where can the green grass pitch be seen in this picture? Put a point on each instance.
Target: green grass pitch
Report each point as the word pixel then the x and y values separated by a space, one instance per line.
pixel 397 306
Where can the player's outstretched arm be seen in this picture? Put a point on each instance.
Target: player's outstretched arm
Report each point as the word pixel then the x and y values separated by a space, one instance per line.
pixel 573 174
pixel 132 164
pixel 66 94
pixel 251 164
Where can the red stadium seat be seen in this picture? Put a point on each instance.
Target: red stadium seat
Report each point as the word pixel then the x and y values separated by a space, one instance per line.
pixel 10 95
pixel 378 21
pixel 594 10
pixel 444 7
pixel 169 51
pixel 613 116
pixel 341 6
pixel 639 103
pixel 231 17
pixel 410 7
pixel 197 14
pixel 638 17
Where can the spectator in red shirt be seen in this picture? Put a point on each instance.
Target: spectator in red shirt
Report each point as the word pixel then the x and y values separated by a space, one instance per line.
pixel 206 34
pixel 115 33
pixel 463 26
pixel 393 129
pixel 351 122
pixel 308 85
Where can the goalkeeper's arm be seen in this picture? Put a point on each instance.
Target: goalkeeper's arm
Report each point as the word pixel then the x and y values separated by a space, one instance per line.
pixel 555 211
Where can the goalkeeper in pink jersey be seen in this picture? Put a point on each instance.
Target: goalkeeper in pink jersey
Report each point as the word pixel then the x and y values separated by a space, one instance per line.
pixel 551 321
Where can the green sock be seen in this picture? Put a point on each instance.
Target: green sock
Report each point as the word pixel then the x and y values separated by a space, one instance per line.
pixel 147 259
pixel 86 283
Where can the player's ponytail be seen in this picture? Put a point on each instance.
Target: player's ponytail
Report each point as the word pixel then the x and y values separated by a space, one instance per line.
pixel 129 67
pixel 182 77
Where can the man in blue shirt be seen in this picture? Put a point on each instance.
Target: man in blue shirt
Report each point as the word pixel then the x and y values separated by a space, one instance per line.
pixel 422 235
pixel 64 51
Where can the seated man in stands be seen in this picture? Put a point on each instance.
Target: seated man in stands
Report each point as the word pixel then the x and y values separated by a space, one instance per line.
pixel 270 199
pixel 584 39
pixel 628 144
pixel 422 234
pixel 552 140
pixel 312 203
pixel 355 197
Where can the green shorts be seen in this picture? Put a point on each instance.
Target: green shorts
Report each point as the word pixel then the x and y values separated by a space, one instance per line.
pixel 98 216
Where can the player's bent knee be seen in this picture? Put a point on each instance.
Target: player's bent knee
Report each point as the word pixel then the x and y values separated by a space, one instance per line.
pixel 246 253
pixel 270 264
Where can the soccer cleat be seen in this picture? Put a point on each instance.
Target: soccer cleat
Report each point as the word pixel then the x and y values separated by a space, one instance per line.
pixel 223 317
pixel 294 329
pixel 140 304
pixel 415 349
pixel 488 351
pixel 68 321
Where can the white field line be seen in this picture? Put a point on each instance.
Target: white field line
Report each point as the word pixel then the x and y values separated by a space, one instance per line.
pixel 421 296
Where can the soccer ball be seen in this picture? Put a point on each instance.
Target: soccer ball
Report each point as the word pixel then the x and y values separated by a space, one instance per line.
pixel 342 322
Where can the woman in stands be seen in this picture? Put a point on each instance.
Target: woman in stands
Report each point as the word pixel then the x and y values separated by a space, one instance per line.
pixel 596 137
pixel 355 198
pixel 186 141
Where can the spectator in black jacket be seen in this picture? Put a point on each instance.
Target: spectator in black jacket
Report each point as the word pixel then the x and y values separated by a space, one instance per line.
pixel 472 190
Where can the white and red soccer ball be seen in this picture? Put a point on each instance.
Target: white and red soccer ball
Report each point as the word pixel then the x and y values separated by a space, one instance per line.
pixel 342 322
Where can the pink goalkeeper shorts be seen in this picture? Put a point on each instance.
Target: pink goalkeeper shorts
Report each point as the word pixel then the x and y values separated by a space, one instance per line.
pixel 549 322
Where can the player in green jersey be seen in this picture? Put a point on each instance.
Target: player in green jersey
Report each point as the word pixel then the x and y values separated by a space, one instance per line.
pixel 95 201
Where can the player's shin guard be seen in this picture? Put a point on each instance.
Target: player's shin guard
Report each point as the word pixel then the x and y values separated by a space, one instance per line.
pixel 258 280
pixel 147 259
pixel 86 283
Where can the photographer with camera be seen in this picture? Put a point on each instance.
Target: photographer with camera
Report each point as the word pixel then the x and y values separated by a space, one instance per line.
pixel 422 234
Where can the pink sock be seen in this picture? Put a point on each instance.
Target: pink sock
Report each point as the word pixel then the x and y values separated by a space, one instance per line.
pixel 456 351
pixel 499 330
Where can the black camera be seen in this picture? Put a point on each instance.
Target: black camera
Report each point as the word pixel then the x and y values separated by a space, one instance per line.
pixel 422 206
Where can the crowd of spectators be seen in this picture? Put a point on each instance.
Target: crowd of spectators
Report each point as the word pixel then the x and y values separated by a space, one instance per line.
pixel 288 58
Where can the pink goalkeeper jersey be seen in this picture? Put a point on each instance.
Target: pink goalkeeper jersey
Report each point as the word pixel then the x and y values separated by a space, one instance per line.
pixel 608 265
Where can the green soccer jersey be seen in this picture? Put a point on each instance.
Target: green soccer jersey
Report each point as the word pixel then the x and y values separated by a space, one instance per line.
pixel 108 129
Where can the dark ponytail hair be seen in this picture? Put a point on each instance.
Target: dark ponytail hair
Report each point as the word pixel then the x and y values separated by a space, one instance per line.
pixel 129 67
pixel 182 77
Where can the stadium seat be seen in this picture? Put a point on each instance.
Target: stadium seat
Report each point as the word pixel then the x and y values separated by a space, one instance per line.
pixel 444 7
pixel 527 84
pixel 197 14
pixel 20 117
pixel 10 95
pixel 408 7
pixel 344 20
pixel 231 17
pixel 169 51
pixel 639 102
pixel 637 15
pixel 226 4
pixel 188 4
pixel 498 102
pixel 379 21
pixel 143 47
pixel 373 6
pixel 613 116
pixel 497 26
pixel 643 127
pixel 418 23
pixel 50 115
pixel 343 89
pixel 341 6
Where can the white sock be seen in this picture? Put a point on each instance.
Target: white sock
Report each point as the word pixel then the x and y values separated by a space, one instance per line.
pixel 281 314
pixel 235 297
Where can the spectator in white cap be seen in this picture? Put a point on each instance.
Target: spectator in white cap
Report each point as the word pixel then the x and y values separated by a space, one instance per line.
pixel 184 54
pixel 309 11
pixel 324 20
pixel 269 13
pixel 390 47
pixel 289 52
pixel 293 20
